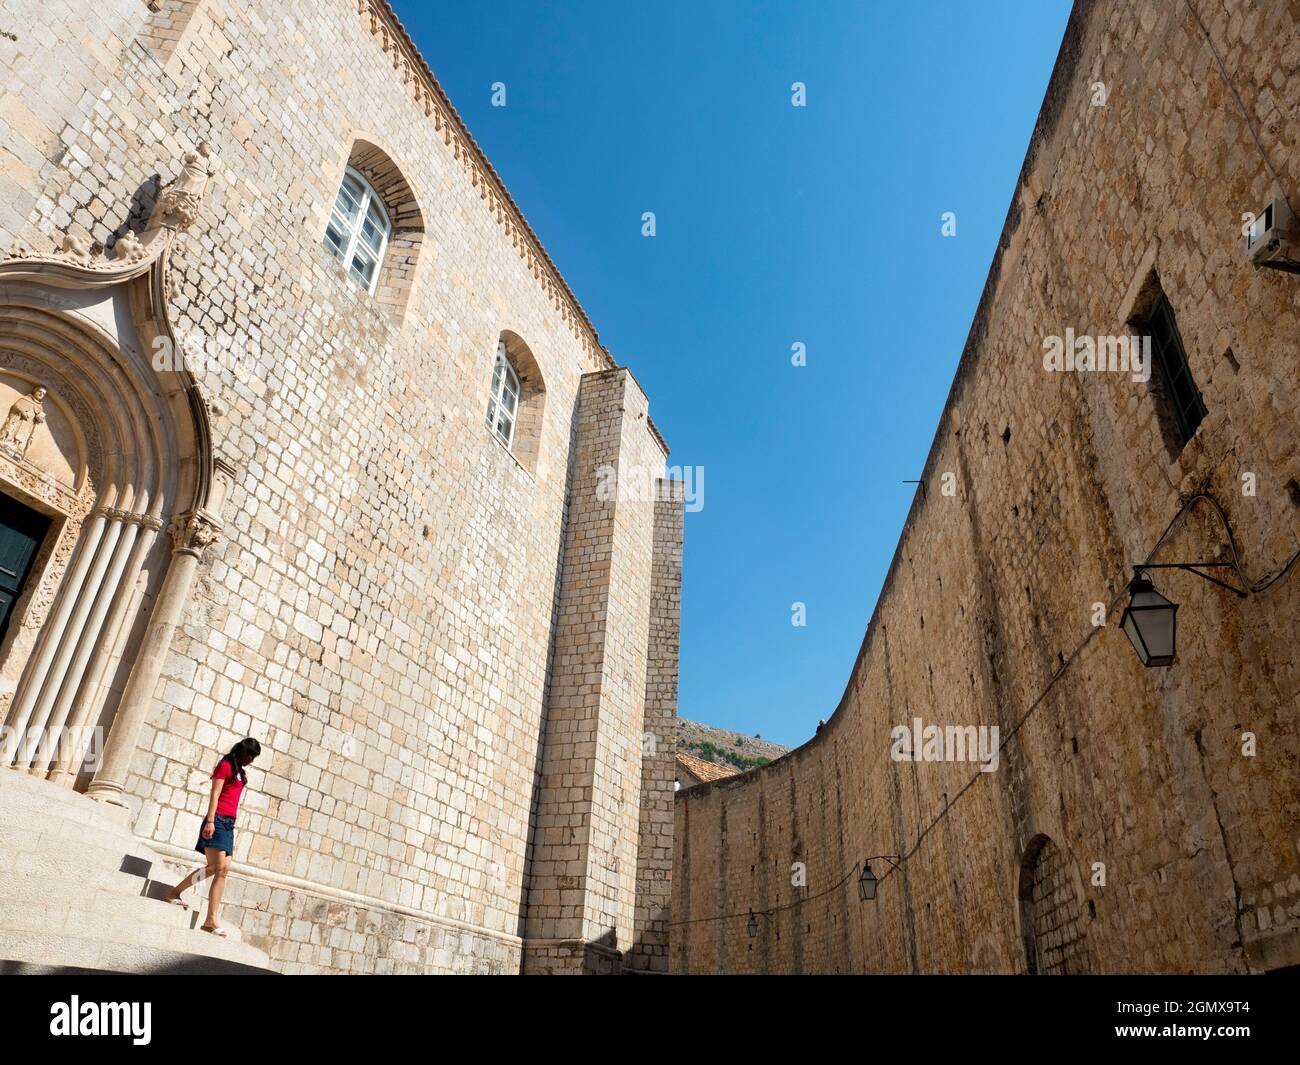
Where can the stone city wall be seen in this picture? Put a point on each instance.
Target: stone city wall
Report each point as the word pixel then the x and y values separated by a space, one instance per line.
pixel 1060 482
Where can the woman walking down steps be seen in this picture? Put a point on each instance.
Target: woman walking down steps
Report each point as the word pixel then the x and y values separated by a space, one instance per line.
pixel 217 833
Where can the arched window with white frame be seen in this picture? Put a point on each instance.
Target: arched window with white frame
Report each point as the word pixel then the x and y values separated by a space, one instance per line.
pixel 516 405
pixel 358 230
pixel 503 400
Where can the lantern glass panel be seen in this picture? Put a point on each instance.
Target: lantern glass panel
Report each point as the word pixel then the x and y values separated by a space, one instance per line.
pixel 1149 623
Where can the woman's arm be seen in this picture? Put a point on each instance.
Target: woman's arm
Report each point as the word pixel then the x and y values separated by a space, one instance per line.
pixel 209 822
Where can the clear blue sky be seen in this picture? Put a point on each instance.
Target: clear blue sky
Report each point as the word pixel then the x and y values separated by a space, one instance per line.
pixel 776 224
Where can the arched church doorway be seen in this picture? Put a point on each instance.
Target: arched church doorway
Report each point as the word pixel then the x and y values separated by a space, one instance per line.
pixel 101 459
pixel 109 493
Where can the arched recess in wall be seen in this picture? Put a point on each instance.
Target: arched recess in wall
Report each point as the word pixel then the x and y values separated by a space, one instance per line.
pixel 402 247
pixel 532 399
pixel 1051 924
pixel 109 491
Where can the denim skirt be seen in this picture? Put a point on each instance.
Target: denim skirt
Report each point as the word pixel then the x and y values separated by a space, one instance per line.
pixel 223 836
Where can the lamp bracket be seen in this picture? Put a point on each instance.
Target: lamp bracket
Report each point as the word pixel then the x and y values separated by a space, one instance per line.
pixel 1191 567
pixel 1282 264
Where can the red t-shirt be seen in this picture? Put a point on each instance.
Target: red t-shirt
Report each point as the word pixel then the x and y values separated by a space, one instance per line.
pixel 228 800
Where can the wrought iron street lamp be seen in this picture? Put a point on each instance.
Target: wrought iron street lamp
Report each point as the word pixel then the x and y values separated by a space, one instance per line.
pixel 868 881
pixel 1150 623
pixel 1150 620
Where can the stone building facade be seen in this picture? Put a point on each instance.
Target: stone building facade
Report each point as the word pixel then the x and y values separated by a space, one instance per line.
pixel 1138 819
pixel 272 469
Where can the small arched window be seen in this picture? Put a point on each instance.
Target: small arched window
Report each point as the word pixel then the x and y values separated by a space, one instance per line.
pixel 516 403
pixel 358 229
pixel 503 401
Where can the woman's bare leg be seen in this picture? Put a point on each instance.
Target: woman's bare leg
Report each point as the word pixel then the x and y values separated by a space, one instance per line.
pixel 218 885
pixel 194 878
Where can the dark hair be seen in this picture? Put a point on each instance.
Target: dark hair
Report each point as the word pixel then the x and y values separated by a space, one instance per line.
pixel 249 747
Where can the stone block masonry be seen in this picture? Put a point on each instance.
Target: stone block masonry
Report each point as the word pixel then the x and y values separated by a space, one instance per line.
pixel 387 579
pixel 1126 830
pixel 583 867
pixel 658 768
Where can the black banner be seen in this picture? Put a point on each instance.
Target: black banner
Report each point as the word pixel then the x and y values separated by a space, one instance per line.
pixel 147 1014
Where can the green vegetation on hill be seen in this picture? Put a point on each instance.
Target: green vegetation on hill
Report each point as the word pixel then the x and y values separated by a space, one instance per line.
pixel 718 756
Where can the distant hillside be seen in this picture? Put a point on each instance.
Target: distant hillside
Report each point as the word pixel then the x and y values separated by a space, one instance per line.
pixel 722 747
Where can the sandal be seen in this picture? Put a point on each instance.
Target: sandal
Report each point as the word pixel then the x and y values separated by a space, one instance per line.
pixel 178 901
pixel 219 932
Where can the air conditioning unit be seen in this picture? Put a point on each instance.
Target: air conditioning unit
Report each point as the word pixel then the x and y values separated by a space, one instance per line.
pixel 1271 238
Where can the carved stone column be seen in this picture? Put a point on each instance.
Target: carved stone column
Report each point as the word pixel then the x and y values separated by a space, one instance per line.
pixel 192 535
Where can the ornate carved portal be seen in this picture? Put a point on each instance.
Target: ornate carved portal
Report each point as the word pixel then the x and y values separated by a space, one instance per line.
pixel 111 451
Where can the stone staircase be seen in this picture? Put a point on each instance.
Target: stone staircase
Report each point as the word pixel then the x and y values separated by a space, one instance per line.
pixel 76 894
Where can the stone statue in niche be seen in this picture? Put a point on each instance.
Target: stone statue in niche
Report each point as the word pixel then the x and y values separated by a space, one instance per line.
pixel 20 425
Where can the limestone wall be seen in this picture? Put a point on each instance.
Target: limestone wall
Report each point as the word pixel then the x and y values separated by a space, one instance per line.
pixel 582 888
pixel 1062 481
pixel 658 765
pixel 379 612
pixel 56 57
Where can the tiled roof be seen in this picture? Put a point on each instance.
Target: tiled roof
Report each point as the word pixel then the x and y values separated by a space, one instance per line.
pixel 703 771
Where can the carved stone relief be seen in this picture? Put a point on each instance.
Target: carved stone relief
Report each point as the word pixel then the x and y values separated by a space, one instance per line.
pixel 21 423
pixel 37 434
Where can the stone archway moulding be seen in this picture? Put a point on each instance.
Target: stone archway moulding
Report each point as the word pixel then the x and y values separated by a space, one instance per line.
pixel 114 446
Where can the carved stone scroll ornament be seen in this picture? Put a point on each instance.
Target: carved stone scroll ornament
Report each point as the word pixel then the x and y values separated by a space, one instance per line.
pixel 20 425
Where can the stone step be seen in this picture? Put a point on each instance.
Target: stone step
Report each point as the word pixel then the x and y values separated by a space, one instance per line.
pixel 21 802
pixel 22 883
pixel 39 804
pixel 79 891
pixel 34 953
pixel 20 782
pixel 125 894
pixel 95 847
pixel 72 823
pixel 71 864
pixel 20 777
pixel 105 922
pixel 130 859
pixel 37 876
pixel 12 773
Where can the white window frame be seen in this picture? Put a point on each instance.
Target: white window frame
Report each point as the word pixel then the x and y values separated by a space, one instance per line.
pixel 504 396
pixel 352 231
